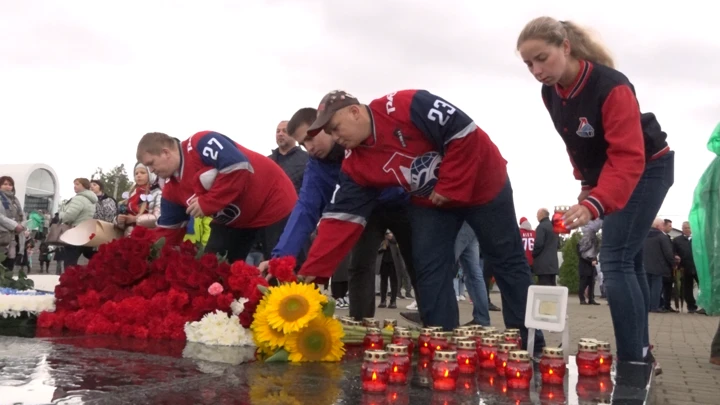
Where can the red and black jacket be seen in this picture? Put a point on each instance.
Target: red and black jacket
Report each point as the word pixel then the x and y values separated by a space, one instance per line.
pixel 607 137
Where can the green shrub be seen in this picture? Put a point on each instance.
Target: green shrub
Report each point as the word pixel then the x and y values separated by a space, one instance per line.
pixel 569 268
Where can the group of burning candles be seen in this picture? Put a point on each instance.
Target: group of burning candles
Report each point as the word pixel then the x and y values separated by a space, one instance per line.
pixel 446 358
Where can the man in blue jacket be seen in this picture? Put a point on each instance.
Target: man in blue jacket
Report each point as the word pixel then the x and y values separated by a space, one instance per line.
pixel 319 182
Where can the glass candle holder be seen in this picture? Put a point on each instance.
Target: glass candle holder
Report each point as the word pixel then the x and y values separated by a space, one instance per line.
pixel 552 366
pixel 479 335
pixel 517 333
pixel 588 340
pixel 389 324
pixel 399 362
pixel 459 330
pixel 606 358
pixel 453 342
pixel 404 337
pixel 466 333
pixel 557 220
pixel 587 359
pixel 467 356
pixel 445 370
pixel 512 337
pixel 487 352
pixel 397 329
pixel 375 371
pixel 519 370
pixel 498 336
pixel 423 342
pixel 438 341
pixel 490 329
pixel 373 339
pixel 501 358
pixel 371 323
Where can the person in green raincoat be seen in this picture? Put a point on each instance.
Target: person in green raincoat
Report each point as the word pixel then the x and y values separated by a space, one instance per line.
pixel 705 222
pixel 35 222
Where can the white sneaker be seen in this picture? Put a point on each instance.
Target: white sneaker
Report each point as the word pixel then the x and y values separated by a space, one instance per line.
pixel 461 298
pixel 412 306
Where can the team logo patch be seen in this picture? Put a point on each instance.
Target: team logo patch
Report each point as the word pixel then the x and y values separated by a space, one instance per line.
pixel 227 215
pixel 418 175
pixel 585 130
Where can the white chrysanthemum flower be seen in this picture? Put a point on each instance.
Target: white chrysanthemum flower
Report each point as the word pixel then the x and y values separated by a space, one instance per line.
pixel 218 329
pixel 238 306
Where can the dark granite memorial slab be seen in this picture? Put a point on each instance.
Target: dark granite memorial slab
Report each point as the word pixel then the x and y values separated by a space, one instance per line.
pixel 66 369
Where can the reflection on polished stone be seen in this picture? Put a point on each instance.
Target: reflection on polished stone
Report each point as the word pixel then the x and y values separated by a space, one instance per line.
pixel 69 369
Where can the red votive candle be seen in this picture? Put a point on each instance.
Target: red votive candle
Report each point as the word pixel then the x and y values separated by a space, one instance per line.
pixel 501 357
pixel 438 341
pixel 399 362
pixel 519 370
pixel 445 370
pixel 587 359
pixel 479 335
pixel 512 337
pixel 487 352
pixel 453 342
pixel 605 357
pixel 557 220
pixel 371 323
pixel 552 366
pixel 467 357
pixel 373 339
pixel 424 342
pixel 404 337
pixel 375 371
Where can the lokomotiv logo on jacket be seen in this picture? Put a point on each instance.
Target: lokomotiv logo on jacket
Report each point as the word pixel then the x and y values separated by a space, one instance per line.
pixel 417 175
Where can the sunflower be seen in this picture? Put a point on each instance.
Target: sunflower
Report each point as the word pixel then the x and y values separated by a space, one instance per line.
pixel 320 340
pixel 291 306
pixel 265 337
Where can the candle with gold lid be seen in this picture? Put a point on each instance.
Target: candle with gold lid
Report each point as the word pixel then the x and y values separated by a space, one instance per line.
pixel 519 370
pixel 467 356
pixel 587 359
pixel 375 371
pixel 399 362
pixel 501 358
pixel 424 342
pixel 404 337
pixel 487 352
pixel 373 339
pixel 552 366
pixel 445 370
pixel 438 341
pixel 371 323
pixel 605 359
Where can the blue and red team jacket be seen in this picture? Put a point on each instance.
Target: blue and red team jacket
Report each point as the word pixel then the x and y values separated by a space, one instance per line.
pixel 420 142
pixel 319 180
pixel 237 187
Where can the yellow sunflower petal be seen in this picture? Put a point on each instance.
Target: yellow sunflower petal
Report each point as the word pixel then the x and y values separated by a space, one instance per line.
pixel 320 340
pixel 263 334
pixel 291 306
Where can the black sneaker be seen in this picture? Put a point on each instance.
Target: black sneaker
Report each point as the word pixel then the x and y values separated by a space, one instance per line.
pixel 382 305
pixel 650 359
pixel 493 307
pixel 594 303
pixel 409 296
pixel 392 305
pixel 472 323
pixel 412 317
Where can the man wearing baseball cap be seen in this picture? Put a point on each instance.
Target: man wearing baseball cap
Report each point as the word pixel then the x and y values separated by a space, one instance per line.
pixel 453 172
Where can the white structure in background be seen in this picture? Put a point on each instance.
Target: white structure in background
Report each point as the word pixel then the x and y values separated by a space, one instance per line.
pixel 36 185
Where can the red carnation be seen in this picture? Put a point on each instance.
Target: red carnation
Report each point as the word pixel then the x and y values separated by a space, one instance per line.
pixel 283 269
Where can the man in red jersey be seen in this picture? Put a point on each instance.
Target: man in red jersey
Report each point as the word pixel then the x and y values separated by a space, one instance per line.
pixel 454 174
pixel 211 175
pixel 528 238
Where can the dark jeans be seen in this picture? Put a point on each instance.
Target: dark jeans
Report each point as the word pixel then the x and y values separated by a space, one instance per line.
pixel 387 273
pixel 621 255
pixel 495 225
pixel 72 255
pixel 236 243
pixel 655 283
pixel 589 283
pixel 547 279
pixel 667 291
pixel 338 289
pixel 364 257
pixel 488 274
pixel 688 282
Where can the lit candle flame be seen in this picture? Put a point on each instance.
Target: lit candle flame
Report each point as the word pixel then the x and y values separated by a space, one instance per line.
pixel 504 364
pixel 602 360
pixel 550 371
pixel 395 369
pixel 517 374
pixel 447 373
pixel 467 361
pixel 374 376
pixel 492 356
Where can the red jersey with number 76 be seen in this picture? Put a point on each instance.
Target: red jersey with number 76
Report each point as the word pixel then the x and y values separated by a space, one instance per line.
pixel 528 238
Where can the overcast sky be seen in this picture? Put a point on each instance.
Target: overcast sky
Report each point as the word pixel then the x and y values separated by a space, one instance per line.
pixel 82 81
